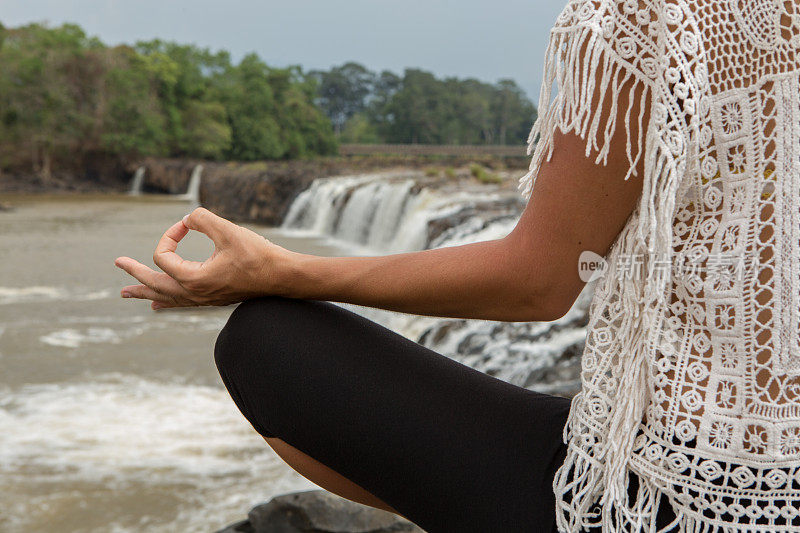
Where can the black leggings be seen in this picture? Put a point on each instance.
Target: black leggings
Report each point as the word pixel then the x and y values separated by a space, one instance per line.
pixel 450 448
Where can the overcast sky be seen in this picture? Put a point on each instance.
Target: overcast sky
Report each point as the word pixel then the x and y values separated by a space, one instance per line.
pixel 484 39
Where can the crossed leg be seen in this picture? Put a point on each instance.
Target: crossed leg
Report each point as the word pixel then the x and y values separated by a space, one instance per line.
pixel 377 418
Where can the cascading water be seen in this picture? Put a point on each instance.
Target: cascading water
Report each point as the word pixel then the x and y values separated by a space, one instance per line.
pixel 137 182
pixel 192 193
pixel 392 213
pixel 360 210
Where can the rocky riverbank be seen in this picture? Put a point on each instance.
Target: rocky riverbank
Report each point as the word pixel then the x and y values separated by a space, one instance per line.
pixel 262 191
pixel 258 191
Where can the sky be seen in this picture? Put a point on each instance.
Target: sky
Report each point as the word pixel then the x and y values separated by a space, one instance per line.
pixel 484 39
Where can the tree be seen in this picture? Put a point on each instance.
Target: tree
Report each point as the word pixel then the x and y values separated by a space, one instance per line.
pixel 359 129
pixel 513 113
pixel 343 91
pixel 133 121
pixel 64 95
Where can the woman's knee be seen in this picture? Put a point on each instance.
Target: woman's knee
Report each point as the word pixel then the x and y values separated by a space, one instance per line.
pixel 261 359
pixel 256 333
pixel 254 356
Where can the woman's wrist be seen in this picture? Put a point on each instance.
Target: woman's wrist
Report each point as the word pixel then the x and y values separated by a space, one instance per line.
pixel 289 276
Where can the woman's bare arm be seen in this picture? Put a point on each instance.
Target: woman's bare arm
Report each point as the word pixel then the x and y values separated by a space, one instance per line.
pixel 532 274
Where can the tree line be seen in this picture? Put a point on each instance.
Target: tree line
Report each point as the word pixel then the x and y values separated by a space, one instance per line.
pixel 65 95
pixel 417 107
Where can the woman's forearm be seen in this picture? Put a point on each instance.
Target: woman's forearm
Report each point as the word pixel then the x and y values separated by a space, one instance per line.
pixel 480 280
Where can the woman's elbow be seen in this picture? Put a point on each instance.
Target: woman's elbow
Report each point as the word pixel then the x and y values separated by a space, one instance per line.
pixel 546 286
pixel 549 292
pixel 546 305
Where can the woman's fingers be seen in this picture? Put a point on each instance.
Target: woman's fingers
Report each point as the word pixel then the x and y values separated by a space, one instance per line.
pixel 166 257
pixel 157 281
pixel 143 292
pixel 158 300
pixel 169 288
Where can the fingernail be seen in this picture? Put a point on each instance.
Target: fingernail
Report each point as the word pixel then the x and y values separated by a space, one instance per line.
pixel 126 294
pixel 185 217
pixel 155 307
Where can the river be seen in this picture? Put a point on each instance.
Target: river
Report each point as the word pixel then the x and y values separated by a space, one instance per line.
pixel 113 417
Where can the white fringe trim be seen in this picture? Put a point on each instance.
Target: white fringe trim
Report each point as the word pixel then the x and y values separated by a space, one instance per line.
pixel 572 108
pixel 594 475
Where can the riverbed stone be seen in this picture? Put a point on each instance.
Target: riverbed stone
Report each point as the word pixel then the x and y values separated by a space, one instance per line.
pixel 319 511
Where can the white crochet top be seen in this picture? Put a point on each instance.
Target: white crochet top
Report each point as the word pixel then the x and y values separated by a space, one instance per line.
pixel 691 371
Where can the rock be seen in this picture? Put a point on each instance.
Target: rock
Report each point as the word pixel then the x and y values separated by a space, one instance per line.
pixel 243 526
pixel 167 176
pixel 508 206
pixel 262 191
pixel 318 511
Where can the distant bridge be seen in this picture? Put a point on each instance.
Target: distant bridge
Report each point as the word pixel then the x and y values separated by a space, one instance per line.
pixel 434 149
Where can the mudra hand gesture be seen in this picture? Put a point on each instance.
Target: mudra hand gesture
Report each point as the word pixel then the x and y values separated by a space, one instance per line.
pixel 243 265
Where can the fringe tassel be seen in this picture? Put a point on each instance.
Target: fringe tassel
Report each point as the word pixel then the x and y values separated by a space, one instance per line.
pixel 585 480
pixel 572 108
pixel 599 473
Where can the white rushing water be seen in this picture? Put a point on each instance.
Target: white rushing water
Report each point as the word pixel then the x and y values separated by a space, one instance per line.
pixel 192 193
pixel 113 417
pixel 137 182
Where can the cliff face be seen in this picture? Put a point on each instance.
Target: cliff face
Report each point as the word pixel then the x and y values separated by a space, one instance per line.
pixel 262 191
pixel 166 176
pixel 259 191
pixel 97 172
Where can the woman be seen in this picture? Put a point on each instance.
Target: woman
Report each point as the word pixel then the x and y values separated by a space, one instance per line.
pixel 689 415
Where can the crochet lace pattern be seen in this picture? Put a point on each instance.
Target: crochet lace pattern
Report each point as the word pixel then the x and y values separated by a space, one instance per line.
pixel 691 370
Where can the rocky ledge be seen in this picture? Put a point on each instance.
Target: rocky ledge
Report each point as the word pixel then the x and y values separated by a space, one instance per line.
pixel 262 191
pixel 318 511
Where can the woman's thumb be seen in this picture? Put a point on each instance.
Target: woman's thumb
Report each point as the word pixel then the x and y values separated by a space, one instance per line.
pixel 204 221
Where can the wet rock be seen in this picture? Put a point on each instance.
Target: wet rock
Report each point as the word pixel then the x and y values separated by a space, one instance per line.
pixel 318 511
pixel 440 229
pixel 262 191
pixel 243 526
pixel 167 176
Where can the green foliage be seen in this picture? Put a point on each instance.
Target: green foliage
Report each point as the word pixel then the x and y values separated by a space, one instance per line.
pixel 206 131
pixel 484 176
pixel 342 91
pixel 419 108
pixel 131 120
pixel 450 172
pixel 63 94
pixel 360 130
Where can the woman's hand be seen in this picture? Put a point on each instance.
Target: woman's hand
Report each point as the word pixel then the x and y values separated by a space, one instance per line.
pixel 244 265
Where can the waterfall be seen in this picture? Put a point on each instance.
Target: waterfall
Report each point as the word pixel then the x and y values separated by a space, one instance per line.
pixel 398 214
pixel 378 214
pixel 137 182
pixel 192 193
pixel 362 210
